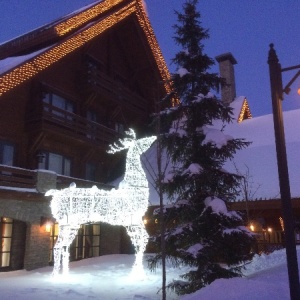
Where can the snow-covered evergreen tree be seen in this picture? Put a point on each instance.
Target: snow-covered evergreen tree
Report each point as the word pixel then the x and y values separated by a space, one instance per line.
pixel 201 232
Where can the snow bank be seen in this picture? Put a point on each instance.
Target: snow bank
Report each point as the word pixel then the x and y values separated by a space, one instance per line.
pixel 109 277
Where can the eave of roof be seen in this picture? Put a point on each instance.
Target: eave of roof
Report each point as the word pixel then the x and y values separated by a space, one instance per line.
pixel 33 65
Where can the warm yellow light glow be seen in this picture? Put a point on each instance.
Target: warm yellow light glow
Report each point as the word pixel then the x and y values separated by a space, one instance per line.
pixel 298 91
pixel 48 227
pixel 50 56
pixel 252 227
pixel 85 16
pixel 45 59
pixel 245 112
pixel 281 223
pixel 146 26
pixel 270 229
pixel 145 221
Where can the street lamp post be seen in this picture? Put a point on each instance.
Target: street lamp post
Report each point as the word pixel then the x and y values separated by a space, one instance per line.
pixel 289 226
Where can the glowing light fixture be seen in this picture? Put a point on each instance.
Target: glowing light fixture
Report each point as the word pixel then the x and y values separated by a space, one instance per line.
pixel 281 223
pixel 46 224
pixel 125 206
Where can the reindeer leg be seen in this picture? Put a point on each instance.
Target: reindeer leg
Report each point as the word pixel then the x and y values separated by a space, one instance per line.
pixel 57 251
pixel 61 249
pixel 69 235
pixel 139 238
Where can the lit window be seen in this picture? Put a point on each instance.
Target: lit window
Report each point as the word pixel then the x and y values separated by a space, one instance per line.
pixel 5 237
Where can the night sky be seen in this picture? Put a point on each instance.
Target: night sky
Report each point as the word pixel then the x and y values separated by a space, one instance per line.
pixel 243 27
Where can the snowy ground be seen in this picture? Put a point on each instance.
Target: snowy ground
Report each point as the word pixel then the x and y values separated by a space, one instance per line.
pixel 110 278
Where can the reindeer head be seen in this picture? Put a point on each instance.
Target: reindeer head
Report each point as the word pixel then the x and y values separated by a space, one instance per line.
pixel 123 143
pixel 130 141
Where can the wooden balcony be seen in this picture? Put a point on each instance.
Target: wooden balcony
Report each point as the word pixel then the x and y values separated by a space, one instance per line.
pixel 116 91
pixel 17 177
pixel 22 183
pixel 46 117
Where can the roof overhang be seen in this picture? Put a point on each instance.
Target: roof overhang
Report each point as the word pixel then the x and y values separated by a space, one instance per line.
pixel 91 23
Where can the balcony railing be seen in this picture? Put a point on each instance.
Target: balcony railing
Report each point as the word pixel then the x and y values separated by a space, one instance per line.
pixel 116 91
pixel 14 178
pixel 65 181
pixel 17 177
pixel 47 116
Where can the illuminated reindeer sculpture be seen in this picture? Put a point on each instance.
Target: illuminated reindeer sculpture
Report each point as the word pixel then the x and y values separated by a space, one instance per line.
pixel 125 206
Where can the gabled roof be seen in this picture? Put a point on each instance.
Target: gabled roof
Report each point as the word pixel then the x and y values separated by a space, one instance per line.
pixel 241 109
pixel 35 51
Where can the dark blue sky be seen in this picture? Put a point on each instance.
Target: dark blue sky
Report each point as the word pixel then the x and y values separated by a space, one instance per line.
pixel 243 27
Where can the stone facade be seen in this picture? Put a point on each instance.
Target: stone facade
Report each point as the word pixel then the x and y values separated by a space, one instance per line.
pixel 37 247
pixel 31 244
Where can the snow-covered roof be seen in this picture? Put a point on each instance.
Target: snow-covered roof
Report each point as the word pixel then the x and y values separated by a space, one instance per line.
pixel 260 156
pixel 22 58
pixel 259 159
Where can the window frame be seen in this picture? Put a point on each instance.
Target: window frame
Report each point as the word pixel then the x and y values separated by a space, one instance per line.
pixel 45 164
pixel 4 143
pixel 5 222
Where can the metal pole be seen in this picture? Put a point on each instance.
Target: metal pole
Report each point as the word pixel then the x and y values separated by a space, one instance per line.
pixel 291 253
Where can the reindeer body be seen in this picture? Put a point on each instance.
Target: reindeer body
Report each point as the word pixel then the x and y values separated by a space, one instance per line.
pixel 125 206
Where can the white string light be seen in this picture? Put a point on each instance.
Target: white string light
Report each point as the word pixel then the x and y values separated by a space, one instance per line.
pixel 125 206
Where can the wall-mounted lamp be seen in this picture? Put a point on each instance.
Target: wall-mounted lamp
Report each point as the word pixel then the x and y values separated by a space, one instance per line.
pixel 46 223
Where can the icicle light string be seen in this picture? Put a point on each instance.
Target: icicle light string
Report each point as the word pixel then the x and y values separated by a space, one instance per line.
pixel 33 66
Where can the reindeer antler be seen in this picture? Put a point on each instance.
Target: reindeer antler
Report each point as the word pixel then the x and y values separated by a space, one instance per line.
pixel 125 143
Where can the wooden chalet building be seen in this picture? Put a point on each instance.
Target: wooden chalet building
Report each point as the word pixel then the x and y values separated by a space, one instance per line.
pixel 67 90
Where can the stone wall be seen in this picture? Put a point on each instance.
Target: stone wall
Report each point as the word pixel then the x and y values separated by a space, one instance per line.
pixel 30 244
pixel 37 247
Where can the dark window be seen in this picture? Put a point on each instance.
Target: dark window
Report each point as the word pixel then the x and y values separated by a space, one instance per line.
pixel 57 163
pixel 85 245
pixel 87 242
pixel 58 105
pixel 92 127
pixel 6 225
pixel 120 128
pixel 92 116
pixel 6 153
pixel 90 171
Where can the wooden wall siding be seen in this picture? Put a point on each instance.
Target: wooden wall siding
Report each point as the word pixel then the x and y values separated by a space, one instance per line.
pixel 50 118
pixel 17 177
pixel 28 179
pixel 121 91
pixel 12 113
